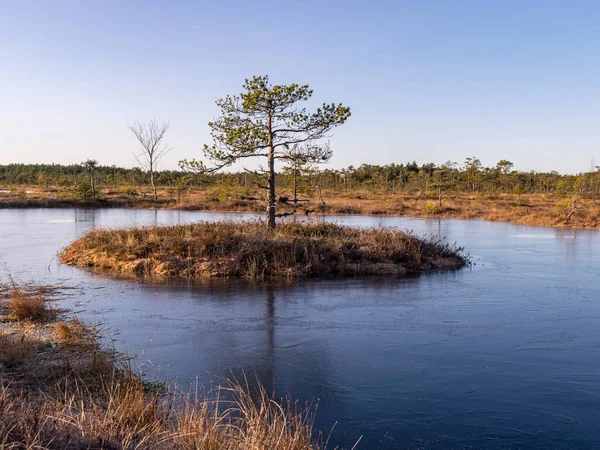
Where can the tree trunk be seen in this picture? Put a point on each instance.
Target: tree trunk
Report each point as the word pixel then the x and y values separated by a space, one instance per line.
pixel 153 186
pixel 93 183
pixel 440 191
pixel 320 194
pixel 271 181
pixel 271 190
pixel 295 188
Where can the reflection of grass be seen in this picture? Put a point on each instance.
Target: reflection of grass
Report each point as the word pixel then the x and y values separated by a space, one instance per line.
pixel 246 249
pixel 61 389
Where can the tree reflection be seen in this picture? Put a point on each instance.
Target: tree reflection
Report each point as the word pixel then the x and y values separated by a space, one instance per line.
pixel 85 219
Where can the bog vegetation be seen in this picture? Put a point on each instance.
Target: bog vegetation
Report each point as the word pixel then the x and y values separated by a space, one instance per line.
pixel 61 388
pixel 426 180
pixel 250 250
pixel 467 191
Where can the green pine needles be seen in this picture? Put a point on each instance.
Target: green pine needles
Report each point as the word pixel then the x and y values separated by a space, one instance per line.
pixel 266 121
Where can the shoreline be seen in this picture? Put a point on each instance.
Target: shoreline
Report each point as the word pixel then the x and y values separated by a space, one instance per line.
pixel 61 387
pixel 519 209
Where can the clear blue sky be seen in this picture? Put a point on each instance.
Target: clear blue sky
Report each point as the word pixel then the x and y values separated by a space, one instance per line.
pixel 426 80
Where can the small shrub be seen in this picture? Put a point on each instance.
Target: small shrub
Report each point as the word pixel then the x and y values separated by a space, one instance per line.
pixel 430 209
pixel 129 191
pixel 217 194
pixel 84 191
pixel 563 188
pixel 567 208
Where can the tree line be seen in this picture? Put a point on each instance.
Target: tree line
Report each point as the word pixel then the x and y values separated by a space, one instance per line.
pixel 410 178
pixel 268 122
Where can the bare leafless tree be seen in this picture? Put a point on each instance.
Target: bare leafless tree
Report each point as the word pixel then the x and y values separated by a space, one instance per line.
pixel 150 136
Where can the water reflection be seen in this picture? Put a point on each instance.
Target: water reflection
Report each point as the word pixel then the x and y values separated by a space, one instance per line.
pixel 270 328
pixel 85 220
pixel 504 355
pixel 265 355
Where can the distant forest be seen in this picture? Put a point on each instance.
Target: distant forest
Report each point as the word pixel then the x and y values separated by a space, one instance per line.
pixel 470 176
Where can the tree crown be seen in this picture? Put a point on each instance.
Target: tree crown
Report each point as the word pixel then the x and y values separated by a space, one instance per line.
pixel 268 116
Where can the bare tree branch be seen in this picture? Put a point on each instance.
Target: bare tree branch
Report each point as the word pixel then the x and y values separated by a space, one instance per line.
pixel 150 136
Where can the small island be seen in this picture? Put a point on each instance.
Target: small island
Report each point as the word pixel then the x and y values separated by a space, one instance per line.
pixel 248 249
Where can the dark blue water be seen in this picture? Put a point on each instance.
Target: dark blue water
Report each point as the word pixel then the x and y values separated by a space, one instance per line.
pixel 504 355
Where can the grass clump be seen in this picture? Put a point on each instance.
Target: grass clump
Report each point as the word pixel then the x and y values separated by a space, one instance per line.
pixel 60 389
pixel 40 346
pixel 33 308
pixel 247 249
pixel 75 332
pixel 16 349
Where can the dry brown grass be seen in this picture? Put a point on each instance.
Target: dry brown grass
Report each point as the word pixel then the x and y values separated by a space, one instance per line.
pixel 61 389
pixel 76 333
pixel 40 348
pixel 126 415
pixel 16 349
pixel 33 308
pixel 247 249
pixel 525 209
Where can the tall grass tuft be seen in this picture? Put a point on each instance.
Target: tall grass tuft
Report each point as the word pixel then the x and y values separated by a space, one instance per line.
pixel 33 308
pixel 127 416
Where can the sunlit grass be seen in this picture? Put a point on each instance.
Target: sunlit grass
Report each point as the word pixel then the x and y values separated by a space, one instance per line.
pixel 249 250
pixel 30 307
pixel 60 388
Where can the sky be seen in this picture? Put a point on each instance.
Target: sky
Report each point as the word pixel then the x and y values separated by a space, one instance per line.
pixel 428 80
